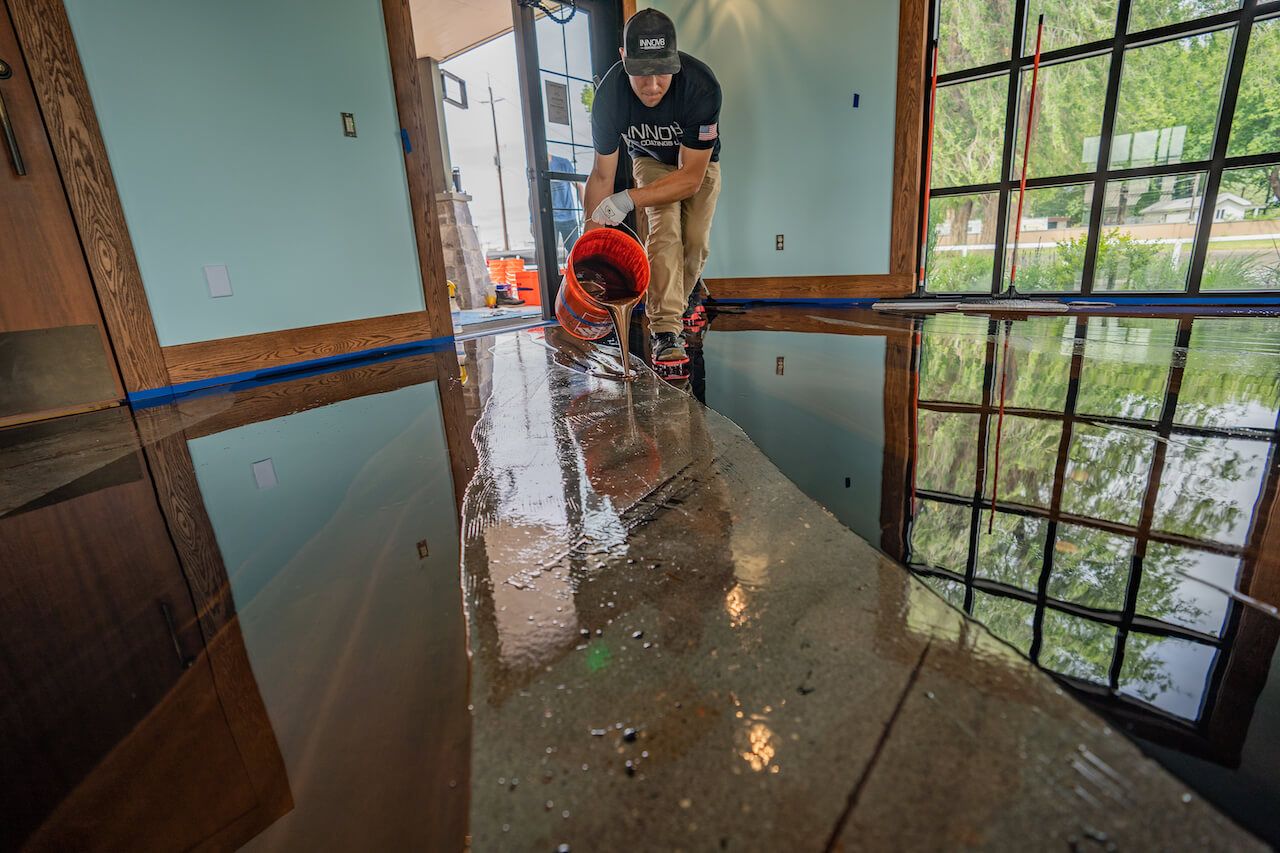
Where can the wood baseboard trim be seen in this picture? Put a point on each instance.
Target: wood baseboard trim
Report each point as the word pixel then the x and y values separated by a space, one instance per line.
pixel 812 287
pixel 207 415
pixel 227 357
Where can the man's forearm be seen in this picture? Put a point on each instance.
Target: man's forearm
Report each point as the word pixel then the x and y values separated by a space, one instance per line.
pixel 677 186
pixel 597 191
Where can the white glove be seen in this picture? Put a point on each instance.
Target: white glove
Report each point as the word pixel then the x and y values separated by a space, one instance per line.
pixel 614 209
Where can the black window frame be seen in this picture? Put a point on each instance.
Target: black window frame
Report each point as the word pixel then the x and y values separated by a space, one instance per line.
pixel 605 39
pixel 1240 21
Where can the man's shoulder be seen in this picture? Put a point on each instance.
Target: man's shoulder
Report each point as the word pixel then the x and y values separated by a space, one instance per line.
pixel 612 77
pixel 698 73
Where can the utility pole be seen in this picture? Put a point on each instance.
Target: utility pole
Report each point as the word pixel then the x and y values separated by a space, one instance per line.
pixel 497 161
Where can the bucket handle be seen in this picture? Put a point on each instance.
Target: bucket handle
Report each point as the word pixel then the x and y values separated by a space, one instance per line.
pixel 633 233
pixel 578 228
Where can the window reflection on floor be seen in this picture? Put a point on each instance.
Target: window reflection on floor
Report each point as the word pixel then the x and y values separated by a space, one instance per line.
pixel 1134 456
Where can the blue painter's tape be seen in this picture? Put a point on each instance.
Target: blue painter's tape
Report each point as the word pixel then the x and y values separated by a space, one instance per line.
pixel 1197 303
pixel 218 384
pixel 404 140
pixel 150 396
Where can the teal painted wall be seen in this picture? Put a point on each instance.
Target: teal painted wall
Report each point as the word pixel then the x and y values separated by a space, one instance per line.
pixel 366 457
pixel 222 125
pixel 798 159
pixel 821 421
pixel 353 638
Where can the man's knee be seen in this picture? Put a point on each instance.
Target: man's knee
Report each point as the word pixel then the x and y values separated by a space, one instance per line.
pixel 696 245
pixel 697 234
pixel 663 229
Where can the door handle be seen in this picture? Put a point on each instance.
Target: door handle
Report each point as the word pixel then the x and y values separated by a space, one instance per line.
pixel 6 125
pixel 167 612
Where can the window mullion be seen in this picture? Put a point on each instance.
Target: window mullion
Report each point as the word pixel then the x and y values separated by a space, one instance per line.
pixel 1059 477
pixel 1099 201
pixel 980 475
pixel 1177 363
pixel 1226 112
pixel 1010 141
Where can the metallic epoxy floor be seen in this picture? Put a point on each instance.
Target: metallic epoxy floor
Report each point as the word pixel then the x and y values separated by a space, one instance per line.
pixel 239 619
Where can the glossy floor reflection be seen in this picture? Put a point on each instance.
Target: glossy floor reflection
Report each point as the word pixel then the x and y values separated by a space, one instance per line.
pixel 513 604
pixel 672 643
pixel 236 621
pixel 1133 549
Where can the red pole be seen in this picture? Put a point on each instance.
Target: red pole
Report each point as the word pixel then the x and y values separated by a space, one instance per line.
pixel 1004 374
pixel 1026 155
pixel 928 164
pixel 915 408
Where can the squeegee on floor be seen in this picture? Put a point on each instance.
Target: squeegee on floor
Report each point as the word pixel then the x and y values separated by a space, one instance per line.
pixel 985 303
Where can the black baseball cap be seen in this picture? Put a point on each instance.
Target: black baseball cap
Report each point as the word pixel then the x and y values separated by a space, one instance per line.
pixel 650 42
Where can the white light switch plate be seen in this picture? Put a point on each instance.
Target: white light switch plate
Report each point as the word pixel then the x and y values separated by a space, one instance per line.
pixel 215 275
pixel 264 474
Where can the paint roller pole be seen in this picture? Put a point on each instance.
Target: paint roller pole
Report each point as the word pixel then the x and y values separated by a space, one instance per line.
pixel 1026 155
pixel 928 164
pixel 1007 328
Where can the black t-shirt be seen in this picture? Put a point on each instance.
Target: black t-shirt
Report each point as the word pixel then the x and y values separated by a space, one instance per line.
pixel 688 115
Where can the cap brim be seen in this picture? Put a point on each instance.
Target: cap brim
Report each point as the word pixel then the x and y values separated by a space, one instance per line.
pixel 651 67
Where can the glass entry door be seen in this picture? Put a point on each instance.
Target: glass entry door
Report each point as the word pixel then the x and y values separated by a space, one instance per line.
pixel 562 49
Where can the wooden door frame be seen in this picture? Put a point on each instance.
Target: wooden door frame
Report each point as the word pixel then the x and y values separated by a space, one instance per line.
pixel 412 108
pixel 173 476
pixel 53 61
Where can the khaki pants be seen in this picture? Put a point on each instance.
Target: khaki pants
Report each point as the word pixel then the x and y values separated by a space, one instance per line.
pixel 676 239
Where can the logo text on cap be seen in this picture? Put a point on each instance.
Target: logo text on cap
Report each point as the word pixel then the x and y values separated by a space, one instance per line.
pixel 653 44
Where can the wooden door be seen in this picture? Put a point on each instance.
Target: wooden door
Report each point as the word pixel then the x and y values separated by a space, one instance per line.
pixel 55 357
pixel 116 732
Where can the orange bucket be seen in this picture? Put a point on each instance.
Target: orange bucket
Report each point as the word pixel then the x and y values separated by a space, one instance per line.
pixel 497 271
pixel 527 285
pixel 620 261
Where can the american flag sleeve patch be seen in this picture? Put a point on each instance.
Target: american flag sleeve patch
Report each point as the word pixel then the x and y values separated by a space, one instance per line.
pixel 708 132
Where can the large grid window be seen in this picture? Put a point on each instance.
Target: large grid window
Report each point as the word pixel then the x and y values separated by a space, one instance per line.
pixel 568 93
pixel 1154 164
pixel 1135 456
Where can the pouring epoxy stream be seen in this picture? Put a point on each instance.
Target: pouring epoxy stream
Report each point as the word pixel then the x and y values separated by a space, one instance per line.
pixel 666 106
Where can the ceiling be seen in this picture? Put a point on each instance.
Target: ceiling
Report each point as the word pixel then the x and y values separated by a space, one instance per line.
pixel 442 28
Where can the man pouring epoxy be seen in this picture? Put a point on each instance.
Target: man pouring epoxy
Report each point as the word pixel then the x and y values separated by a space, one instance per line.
pixel 666 106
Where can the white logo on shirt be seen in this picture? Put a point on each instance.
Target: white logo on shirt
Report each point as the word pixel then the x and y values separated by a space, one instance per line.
pixel 655 134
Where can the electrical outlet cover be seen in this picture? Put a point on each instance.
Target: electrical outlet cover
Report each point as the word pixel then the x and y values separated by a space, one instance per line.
pixel 264 474
pixel 219 282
